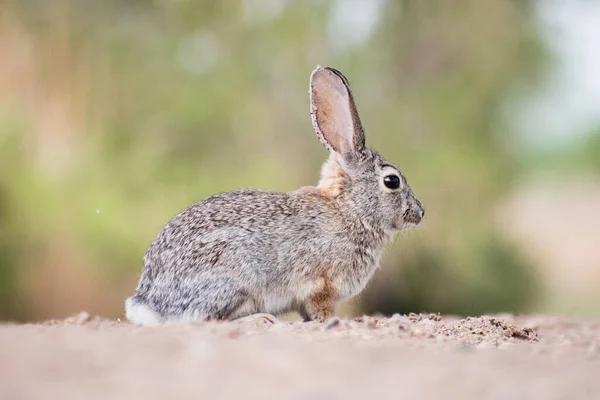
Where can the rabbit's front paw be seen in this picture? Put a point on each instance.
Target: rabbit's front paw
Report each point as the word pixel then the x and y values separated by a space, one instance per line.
pixel 322 316
pixel 320 306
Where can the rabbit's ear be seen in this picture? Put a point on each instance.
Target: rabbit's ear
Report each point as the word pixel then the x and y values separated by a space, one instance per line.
pixel 334 113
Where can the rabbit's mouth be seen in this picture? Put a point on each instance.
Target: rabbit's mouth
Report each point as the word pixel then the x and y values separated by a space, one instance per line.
pixel 404 226
pixel 408 225
pixel 401 226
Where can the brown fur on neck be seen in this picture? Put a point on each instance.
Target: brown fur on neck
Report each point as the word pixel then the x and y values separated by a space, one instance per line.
pixel 333 177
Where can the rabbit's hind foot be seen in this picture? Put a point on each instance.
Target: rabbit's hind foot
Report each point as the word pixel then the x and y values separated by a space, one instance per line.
pixel 259 318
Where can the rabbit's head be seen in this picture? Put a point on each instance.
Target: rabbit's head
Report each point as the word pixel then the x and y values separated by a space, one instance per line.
pixel 371 188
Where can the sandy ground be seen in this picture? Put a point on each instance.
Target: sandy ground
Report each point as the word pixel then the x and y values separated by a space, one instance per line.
pixel 402 357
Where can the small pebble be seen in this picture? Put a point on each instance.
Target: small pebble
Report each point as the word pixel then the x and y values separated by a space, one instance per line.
pixel 404 327
pixel 333 322
pixel 82 318
pixel 593 349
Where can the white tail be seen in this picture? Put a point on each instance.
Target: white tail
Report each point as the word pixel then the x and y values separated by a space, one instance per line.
pixel 140 314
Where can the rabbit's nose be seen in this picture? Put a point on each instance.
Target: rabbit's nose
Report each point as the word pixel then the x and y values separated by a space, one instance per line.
pixel 419 211
pixel 417 214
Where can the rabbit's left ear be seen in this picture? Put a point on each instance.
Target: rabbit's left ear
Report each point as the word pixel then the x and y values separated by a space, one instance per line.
pixel 334 113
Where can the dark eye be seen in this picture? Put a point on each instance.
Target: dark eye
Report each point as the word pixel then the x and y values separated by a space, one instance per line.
pixel 391 181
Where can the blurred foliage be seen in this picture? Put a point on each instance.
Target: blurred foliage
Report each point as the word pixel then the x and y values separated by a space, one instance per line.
pixel 115 115
pixel 580 156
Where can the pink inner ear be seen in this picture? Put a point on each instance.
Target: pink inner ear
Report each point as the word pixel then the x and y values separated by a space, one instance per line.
pixel 333 116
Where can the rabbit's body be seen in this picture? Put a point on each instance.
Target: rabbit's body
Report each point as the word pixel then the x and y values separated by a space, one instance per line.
pixel 251 251
pixel 251 260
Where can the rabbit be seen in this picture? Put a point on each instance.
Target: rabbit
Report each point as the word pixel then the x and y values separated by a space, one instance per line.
pixel 246 252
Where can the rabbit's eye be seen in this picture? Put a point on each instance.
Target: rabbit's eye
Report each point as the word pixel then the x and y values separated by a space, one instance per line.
pixel 391 181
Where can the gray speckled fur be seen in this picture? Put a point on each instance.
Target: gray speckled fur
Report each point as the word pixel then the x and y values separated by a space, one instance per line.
pixel 249 251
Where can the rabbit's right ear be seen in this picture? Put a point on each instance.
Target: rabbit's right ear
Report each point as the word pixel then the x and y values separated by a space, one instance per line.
pixel 334 113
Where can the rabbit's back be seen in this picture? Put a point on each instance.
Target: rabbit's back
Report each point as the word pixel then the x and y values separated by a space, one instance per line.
pixel 236 228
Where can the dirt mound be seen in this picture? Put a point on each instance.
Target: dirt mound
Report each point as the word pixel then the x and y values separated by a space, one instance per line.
pixel 407 356
pixel 483 331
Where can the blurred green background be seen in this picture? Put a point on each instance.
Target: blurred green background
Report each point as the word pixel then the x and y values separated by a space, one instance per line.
pixel 115 115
